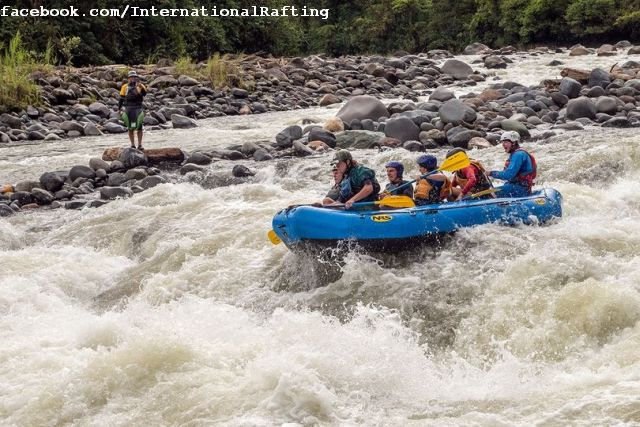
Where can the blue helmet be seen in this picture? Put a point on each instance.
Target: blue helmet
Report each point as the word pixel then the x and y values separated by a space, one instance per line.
pixel 428 161
pixel 397 166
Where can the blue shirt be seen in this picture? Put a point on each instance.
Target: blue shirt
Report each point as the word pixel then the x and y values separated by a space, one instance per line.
pixel 519 164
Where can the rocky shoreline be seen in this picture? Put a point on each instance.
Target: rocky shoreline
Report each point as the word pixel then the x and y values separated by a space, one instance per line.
pixel 597 97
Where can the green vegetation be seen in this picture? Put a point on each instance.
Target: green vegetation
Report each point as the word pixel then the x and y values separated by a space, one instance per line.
pixel 17 90
pixel 355 27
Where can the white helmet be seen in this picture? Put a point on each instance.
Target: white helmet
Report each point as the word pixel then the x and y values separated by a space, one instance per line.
pixel 512 136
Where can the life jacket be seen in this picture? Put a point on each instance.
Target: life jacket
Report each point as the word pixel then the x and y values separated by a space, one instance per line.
pixel 482 182
pixel 131 96
pixel 432 191
pixel 348 188
pixel 522 178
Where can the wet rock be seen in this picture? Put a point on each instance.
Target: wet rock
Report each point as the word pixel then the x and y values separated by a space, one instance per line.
pixel 352 139
pixel 494 62
pixel 22 197
pixel 110 127
pixel 476 49
pixel 362 107
pixel 91 130
pixel 401 128
pixel 112 193
pixel 99 109
pixel 96 163
pixel 285 138
pixel 617 122
pixel 42 197
pixel 322 135
pixel 52 181
pixel 596 92
pixel 607 105
pixel 302 150
pixel 27 186
pixel 248 148
pixel 187 81
pixel 11 121
pixel 455 112
pixel 329 99
pixel 135 173
pixel 152 181
pixel 190 167
pixel 570 87
pixel 599 77
pixel 581 107
pixel 116 179
pixel 579 50
pixel 514 125
pixel 441 94
pixel 457 69
pixel 413 146
pixel 75 204
pixel 261 155
pixel 5 211
pixel 606 50
pixel 241 171
pixel 131 158
pixel 198 158
pixel 81 171
pixel 182 122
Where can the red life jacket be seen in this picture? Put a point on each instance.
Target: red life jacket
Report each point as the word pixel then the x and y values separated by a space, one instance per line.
pixel 524 179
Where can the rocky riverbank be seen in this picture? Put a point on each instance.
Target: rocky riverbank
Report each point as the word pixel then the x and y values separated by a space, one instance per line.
pixel 597 97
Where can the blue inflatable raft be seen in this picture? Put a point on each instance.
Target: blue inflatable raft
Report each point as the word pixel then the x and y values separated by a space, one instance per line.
pixel 301 227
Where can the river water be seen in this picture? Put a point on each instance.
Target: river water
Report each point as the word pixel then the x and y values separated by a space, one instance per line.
pixel 173 308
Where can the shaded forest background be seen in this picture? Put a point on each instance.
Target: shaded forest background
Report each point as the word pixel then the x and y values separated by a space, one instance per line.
pixel 360 26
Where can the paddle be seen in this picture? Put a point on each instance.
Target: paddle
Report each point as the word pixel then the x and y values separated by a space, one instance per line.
pixel 451 164
pixel 273 237
pixel 389 201
pixel 482 193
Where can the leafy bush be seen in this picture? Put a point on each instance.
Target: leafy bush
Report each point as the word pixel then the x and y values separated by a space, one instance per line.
pixel 17 90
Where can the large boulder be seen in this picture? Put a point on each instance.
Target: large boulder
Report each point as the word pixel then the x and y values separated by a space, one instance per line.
pixel 285 138
pixel 494 61
pixel 476 49
pixel 599 77
pixel 515 125
pixel 52 181
pixel 131 158
pixel 570 87
pixel 322 135
pixel 402 129
pixel 607 104
pixel 457 69
pixel 581 107
pixel 362 107
pixel 456 112
pixel 81 171
pixel 182 122
pixel 441 94
pixel 359 139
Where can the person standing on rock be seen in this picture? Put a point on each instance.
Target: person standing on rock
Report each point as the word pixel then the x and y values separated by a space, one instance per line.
pixel 131 96
pixel 359 183
pixel 519 170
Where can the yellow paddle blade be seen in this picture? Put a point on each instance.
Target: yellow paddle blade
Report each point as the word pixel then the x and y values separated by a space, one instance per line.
pixel 455 162
pixel 396 202
pixel 273 237
pixel 484 192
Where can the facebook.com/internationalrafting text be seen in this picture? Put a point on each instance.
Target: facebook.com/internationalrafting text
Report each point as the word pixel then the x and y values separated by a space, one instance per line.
pixel 139 12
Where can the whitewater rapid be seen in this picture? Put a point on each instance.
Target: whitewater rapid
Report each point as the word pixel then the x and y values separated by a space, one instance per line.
pixel 173 308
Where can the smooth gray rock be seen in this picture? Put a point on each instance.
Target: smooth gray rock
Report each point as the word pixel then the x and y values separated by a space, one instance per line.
pixel 111 193
pixel 455 112
pixel 402 129
pixel 81 171
pixel 182 122
pixel 581 107
pixel 459 70
pixel 362 107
